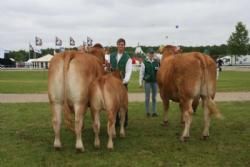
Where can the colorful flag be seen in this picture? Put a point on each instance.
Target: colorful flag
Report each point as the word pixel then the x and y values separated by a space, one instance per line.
pixel 58 42
pixel 71 41
pixel 89 41
pixel 39 41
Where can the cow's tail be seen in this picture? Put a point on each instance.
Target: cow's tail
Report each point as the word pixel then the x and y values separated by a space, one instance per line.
pixel 68 111
pixel 213 110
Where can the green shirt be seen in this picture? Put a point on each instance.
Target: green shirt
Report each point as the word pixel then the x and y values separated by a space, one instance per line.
pixel 121 65
pixel 150 70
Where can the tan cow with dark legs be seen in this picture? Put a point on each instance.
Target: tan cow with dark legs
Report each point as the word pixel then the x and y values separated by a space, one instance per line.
pixel 69 77
pixel 108 93
pixel 185 78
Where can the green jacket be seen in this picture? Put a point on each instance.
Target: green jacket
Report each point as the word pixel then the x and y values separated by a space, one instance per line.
pixel 121 65
pixel 150 70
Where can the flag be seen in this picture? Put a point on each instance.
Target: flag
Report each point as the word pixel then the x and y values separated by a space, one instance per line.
pixel 83 43
pixel 31 47
pixel 58 42
pixel 71 41
pixel 39 41
pixel 89 41
pixel 38 51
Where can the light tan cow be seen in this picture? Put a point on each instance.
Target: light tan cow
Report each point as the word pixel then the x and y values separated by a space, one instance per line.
pixel 108 93
pixel 185 78
pixel 69 77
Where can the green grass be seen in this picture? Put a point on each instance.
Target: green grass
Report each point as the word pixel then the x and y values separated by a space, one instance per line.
pixel 36 82
pixel 26 139
pixel 23 81
pixel 233 81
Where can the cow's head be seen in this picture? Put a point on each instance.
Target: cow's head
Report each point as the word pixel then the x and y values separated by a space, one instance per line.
pixel 170 50
pixel 98 51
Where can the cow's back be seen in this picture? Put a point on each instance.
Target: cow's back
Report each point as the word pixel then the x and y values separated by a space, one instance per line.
pixel 70 75
pixel 108 93
pixel 82 70
pixel 182 75
pixel 56 79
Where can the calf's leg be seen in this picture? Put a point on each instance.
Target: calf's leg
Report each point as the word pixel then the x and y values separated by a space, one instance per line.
pixel 122 122
pixel 96 126
pixel 110 128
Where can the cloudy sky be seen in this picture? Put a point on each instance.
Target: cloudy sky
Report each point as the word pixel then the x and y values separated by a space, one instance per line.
pixel 147 22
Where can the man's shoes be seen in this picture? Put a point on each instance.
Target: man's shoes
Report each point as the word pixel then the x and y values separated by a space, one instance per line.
pixel 148 114
pixel 154 115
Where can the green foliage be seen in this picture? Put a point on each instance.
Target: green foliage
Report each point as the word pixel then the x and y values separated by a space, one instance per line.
pixel 19 56
pixel 238 42
pixel 26 139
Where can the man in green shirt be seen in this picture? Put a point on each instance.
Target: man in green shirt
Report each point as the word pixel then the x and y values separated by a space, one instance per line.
pixel 121 61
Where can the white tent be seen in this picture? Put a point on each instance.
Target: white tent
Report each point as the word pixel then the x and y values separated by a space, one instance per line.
pixel 138 50
pixel 240 60
pixel 41 62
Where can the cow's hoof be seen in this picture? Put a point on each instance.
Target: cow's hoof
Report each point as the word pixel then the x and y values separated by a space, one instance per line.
pixel 204 137
pixel 164 124
pixel 79 150
pixel 58 148
pixel 97 146
pixel 110 147
pixel 122 135
pixel 184 138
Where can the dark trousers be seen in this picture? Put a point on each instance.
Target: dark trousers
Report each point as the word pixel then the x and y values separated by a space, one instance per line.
pixel 117 123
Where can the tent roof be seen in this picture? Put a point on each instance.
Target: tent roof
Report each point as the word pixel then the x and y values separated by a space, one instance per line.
pixel 138 50
pixel 45 58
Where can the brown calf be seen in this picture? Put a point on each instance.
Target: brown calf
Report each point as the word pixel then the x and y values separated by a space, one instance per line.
pixel 109 94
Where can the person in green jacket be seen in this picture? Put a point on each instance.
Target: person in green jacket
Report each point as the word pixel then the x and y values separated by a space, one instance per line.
pixel 121 61
pixel 148 72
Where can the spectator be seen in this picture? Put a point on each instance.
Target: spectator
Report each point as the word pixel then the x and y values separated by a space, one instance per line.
pixel 148 73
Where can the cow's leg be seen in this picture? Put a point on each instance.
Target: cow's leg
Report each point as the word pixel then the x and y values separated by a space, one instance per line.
pixel 195 104
pixel 110 124
pixel 187 116
pixel 96 126
pixel 165 112
pixel 122 121
pixel 56 122
pixel 207 118
pixel 113 127
pixel 79 111
pixel 182 114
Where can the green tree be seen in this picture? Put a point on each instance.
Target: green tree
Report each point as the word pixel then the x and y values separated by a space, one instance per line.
pixel 238 41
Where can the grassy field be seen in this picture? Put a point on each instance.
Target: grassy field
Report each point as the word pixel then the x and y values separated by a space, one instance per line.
pixel 36 82
pixel 26 139
pixel 23 81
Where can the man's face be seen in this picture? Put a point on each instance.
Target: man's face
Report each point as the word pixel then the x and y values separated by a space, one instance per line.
pixel 151 56
pixel 120 47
